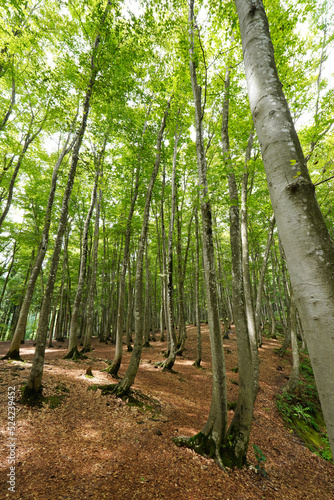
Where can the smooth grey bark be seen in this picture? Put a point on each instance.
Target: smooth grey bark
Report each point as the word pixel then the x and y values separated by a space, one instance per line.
pixel 209 440
pixel 307 244
pixel 92 284
pixel 20 328
pixel 124 385
pixel 147 301
pixel 130 311
pixel 34 385
pixel 72 351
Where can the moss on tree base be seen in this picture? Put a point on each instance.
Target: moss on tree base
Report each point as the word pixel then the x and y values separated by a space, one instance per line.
pixel 74 354
pixel 113 369
pixel 13 355
pixel 31 397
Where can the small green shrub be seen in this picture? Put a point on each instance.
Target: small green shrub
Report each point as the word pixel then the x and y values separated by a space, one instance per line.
pixel 261 458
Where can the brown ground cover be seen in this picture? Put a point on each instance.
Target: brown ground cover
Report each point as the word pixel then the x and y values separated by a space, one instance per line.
pixel 98 447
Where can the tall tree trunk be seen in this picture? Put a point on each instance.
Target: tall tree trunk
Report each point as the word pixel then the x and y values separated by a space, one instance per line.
pixel 307 244
pixel 116 363
pixel 131 372
pixel 34 386
pixel 169 363
pixel 260 284
pixel 292 383
pixel 251 326
pixel 198 321
pixel 236 444
pixel 210 439
pixel 92 285
pixel 36 269
pixel 72 351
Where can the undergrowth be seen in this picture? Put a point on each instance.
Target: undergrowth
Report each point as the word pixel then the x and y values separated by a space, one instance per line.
pixel 301 412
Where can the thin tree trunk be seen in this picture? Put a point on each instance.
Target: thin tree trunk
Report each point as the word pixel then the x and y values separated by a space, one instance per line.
pixel 198 322
pixel 292 383
pixel 116 363
pixel 260 284
pixel 92 285
pixel 131 372
pixel 251 326
pixel 169 363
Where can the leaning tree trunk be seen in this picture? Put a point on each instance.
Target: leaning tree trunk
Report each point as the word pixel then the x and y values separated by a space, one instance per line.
pixel 34 386
pixel 124 385
pixel 72 351
pixel 307 244
pixel 24 311
pixel 209 440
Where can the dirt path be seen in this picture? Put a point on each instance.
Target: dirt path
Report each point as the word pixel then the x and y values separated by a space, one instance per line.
pixel 97 447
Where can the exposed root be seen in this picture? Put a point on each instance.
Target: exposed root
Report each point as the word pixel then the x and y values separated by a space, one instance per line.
pixel 203 445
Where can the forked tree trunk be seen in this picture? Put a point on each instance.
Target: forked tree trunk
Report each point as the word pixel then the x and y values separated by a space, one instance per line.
pixel 307 244
pixel 124 385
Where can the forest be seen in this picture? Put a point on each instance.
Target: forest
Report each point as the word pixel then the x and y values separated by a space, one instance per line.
pixel 167 249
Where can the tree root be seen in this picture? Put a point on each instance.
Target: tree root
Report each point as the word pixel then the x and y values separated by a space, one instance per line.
pixel 203 445
pixel 13 355
pixel 74 354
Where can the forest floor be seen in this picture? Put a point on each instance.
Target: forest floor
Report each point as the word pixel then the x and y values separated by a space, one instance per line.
pixel 98 447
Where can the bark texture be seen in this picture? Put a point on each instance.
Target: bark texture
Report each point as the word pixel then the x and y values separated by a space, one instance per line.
pixel 307 244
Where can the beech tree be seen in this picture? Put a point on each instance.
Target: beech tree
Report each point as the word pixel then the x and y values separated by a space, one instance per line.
pixel 306 240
